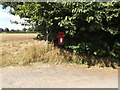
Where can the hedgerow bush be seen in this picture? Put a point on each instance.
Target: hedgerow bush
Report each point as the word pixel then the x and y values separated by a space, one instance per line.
pixel 91 28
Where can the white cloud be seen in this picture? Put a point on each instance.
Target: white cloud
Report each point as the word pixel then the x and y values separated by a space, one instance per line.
pixel 5 21
pixel 7 15
pixel 15 26
pixel 10 16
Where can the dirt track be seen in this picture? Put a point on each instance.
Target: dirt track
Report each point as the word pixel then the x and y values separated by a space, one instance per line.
pixel 55 76
pixel 60 76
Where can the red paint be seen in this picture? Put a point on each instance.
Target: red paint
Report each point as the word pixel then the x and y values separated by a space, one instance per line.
pixel 60 38
pixel 60 33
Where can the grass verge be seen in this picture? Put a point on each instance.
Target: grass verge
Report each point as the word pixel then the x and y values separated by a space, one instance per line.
pixel 37 52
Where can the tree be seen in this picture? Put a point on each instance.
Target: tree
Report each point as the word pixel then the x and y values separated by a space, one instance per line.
pixel 30 29
pixel 12 30
pixel 24 29
pixel 1 30
pixel 18 30
pixel 6 30
pixel 91 27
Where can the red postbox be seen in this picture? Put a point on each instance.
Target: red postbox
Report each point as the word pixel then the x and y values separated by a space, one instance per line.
pixel 60 38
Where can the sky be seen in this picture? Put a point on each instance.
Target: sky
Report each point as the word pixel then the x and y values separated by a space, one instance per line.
pixel 5 18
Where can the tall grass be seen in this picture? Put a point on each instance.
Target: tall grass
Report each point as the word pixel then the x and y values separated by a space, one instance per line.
pixel 37 52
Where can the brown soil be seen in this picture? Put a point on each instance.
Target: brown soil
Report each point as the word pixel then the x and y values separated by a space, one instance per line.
pixel 41 75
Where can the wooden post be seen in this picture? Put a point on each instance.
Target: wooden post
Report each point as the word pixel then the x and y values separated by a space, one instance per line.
pixel 47 39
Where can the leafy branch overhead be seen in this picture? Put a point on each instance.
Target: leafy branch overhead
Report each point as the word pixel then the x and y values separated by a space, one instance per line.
pixel 92 27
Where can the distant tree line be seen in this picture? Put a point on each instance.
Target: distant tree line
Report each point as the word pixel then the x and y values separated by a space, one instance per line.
pixel 24 30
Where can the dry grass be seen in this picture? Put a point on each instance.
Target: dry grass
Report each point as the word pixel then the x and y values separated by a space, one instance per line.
pixel 28 51
pixel 23 50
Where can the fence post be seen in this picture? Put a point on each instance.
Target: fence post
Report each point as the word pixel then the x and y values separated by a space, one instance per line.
pixel 47 39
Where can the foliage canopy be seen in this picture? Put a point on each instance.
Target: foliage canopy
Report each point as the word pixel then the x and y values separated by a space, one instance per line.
pixel 90 27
